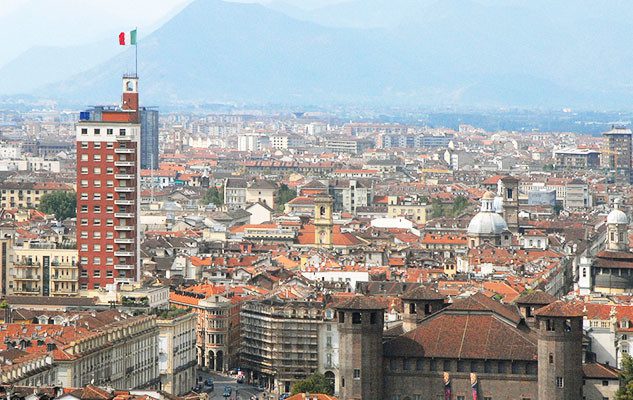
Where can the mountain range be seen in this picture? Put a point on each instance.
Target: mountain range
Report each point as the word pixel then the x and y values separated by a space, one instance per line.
pixel 470 53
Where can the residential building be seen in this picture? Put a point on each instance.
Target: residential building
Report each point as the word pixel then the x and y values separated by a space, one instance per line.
pixel 414 209
pixel 617 153
pixel 42 269
pixel 108 179
pixel 577 195
pixel 280 343
pixel 235 192
pixel 28 194
pixel 177 351
pixel 350 145
pixel 576 159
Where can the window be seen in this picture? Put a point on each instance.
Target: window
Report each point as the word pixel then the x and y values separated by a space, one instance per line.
pixel 97 273
pixel 96 222
pixel 97 145
pixel 109 131
pixel 84 196
pixel 341 317
pixel 109 157
pixel 356 318
pixel 605 383
pixel 96 261
pixel 97 183
pixel 549 325
pixel 84 273
pixel 109 145
pixel 373 318
pixel 84 131
pixel 84 222
pixel 84 145
pixel 357 374
pixel 84 170
pixel 97 131
pixel 109 170
pixel 109 222
pixel 84 157
pixel 109 247
pixel 110 183
pixel 97 170
pixel 97 196
pixel 407 364
pixel 84 247
pixel 96 157
pixel 84 234
pixel 109 235
pixel 84 208
pixel 419 364
pixel 109 274
pixel 109 209
pixel 461 398
pixel 109 261
pixel 122 132
pixel 83 286
pixel 559 382
pixel 97 209
pixel 96 247
pixel 96 235
pixel 84 183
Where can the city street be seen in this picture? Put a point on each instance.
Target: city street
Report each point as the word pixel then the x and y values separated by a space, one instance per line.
pixel 238 391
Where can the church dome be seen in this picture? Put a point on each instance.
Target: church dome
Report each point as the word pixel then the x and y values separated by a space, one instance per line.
pixel 487 221
pixel 617 216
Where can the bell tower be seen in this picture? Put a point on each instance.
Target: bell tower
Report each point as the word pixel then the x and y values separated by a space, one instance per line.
pixel 508 188
pixel 559 327
pixel 617 229
pixel 323 221
pixel 129 99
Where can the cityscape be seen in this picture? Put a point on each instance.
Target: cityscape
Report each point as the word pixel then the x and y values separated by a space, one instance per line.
pixel 166 235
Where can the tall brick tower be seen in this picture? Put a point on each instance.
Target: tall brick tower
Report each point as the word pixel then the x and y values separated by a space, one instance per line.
pixel 509 192
pixel 419 303
pixel 108 191
pixel 360 325
pixel 559 326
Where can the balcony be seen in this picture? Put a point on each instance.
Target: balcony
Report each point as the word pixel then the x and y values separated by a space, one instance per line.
pixel 124 215
pixel 124 266
pixel 31 291
pixel 64 278
pixel 124 151
pixel 124 202
pixel 124 189
pixel 123 228
pixel 123 240
pixel 123 253
pixel 26 264
pixel 124 163
pixel 123 176
pixel 26 278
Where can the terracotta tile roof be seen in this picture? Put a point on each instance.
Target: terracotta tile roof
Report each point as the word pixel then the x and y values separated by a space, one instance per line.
pixel 479 302
pixel 465 336
pixel 560 308
pixel 422 293
pixel 311 396
pixel 600 371
pixel 537 297
pixel 359 302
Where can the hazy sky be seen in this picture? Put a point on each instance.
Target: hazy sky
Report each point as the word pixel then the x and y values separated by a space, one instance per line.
pixel 77 22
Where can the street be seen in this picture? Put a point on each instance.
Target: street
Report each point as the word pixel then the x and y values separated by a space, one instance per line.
pixel 238 391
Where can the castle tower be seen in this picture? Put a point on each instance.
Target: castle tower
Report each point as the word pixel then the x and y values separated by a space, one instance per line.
pixel 360 326
pixel 508 188
pixel 419 303
pixel 617 229
pixel 323 221
pixel 559 327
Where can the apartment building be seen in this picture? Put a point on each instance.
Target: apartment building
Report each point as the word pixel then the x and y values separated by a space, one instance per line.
pixel 280 341
pixel 28 194
pixel 411 208
pixel 177 351
pixel 102 348
pixel 108 191
pixel 42 269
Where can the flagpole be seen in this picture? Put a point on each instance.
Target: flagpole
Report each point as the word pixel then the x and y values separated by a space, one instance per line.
pixel 136 53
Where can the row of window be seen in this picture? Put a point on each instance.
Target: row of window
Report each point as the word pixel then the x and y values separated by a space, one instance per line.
pixel 97 157
pixel 97 145
pixel 97 209
pixel 97 183
pixel 489 367
pixel 97 222
pixel 109 131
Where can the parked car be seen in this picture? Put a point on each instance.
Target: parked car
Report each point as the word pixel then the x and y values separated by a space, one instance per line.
pixel 240 379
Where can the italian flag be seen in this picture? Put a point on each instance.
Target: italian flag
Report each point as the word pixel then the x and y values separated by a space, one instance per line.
pixel 127 38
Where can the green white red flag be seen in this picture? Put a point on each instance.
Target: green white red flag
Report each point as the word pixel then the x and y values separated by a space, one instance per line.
pixel 127 38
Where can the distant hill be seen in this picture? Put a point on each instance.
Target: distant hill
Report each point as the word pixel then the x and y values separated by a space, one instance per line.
pixel 427 52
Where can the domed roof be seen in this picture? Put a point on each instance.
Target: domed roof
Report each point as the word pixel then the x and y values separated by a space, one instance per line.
pixel 617 216
pixel 487 223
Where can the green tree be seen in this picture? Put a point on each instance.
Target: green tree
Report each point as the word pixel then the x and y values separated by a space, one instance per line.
pixel 437 208
pixel 315 383
pixel 214 196
pixel 625 392
pixel 61 203
pixel 284 194
pixel 459 205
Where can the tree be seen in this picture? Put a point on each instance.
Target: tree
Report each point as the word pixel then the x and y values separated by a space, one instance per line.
pixel 315 383
pixel 625 392
pixel 61 203
pixel 284 194
pixel 214 196
pixel 459 205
